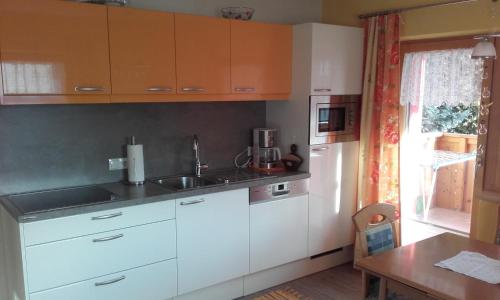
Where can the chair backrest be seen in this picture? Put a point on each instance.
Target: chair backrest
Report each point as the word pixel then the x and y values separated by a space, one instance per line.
pixel 385 227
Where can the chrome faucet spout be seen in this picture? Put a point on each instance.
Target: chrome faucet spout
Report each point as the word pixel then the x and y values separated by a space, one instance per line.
pixel 196 148
pixel 197 165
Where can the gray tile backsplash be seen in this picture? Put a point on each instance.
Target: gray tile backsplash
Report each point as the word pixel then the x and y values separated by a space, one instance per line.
pixel 50 146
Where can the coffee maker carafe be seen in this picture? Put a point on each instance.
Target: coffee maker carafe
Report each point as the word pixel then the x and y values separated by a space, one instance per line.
pixel 266 154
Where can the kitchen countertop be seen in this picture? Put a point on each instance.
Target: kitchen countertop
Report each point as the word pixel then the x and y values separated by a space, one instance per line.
pixel 129 195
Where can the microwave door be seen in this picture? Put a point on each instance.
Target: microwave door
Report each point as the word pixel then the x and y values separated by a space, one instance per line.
pixel 333 119
pixel 330 119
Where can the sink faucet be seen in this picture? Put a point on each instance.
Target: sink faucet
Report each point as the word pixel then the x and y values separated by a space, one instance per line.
pixel 197 166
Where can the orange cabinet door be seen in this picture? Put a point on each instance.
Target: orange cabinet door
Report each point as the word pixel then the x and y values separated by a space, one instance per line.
pixel 54 48
pixel 142 51
pixel 202 54
pixel 261 58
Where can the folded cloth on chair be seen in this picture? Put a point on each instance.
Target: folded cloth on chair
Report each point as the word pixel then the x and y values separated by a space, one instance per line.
pixel 379 239
pixel 475 265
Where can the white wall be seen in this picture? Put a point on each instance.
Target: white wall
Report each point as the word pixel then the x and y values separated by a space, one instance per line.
pixel 271 11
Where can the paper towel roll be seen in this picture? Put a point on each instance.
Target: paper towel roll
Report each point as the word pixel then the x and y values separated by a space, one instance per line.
pixel 135 164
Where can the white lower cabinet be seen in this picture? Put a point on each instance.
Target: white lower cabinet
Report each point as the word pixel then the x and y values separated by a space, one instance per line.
pixel 212 239
pixel 64 262
pixel 278 232
pixel 152 282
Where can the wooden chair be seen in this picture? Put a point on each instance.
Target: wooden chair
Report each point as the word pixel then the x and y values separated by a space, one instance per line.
pixel 364 221
pixel 385 214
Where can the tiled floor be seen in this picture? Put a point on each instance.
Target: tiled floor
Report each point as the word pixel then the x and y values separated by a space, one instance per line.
pixel 339 283
pixel 413 231
pixel 448 218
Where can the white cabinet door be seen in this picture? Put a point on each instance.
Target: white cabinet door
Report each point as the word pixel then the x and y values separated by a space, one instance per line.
pixel 332 196
pixel 278 232
pixel 212 239
pixel 152 282
pixel 337 60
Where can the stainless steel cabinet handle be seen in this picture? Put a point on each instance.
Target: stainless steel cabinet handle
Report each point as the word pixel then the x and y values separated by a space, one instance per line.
pixel 85 89
pixel 110 281
pixel 104 217
pixel 322 90
pixel 192 202
pixel 158 89
pixel 109 238
pixel 320 149
pixel 193 89
pixel 245 89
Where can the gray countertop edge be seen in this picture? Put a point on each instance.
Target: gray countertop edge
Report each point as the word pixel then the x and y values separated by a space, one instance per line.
pixel 147 193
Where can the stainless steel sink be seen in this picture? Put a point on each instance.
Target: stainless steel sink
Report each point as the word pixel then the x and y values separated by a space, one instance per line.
pixel 184 182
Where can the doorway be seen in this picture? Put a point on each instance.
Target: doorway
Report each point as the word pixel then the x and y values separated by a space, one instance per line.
pixel 440 95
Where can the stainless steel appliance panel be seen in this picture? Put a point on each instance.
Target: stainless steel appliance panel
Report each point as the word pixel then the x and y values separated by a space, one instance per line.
pixel 278 190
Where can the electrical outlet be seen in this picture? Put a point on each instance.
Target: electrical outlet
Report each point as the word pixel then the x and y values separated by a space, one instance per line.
pixel 117 163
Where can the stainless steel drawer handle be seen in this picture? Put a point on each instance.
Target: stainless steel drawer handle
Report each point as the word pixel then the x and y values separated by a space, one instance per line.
pixel 320 149
pixel 192 202
pixel 245 89
pixel 104 217
pixel 322 90
pixel 109 238
pixel 110 281
pixel 193 89
pixel 158 89
pixel 86 89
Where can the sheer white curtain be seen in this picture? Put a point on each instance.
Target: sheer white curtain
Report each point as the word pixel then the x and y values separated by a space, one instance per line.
pixel 437 77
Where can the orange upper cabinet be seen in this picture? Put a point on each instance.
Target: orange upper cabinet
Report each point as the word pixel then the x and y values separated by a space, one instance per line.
pixel 54 47
pixel 261 58
pixel 142 51
pixel 202 55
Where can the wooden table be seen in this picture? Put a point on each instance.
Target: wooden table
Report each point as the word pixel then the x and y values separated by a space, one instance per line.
pixel 413 266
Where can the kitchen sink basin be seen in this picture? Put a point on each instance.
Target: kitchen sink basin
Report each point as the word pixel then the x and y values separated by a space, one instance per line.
pixel 184 182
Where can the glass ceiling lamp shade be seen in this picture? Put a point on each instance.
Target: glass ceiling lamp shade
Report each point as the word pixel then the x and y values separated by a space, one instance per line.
pixel 484 49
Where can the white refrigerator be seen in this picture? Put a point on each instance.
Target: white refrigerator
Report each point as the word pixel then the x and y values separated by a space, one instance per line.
pixel 332 195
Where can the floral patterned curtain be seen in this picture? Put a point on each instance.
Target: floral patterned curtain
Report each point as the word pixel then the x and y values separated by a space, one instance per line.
pixel 379 146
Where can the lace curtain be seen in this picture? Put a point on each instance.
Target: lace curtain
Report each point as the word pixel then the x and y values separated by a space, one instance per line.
pixel 437 77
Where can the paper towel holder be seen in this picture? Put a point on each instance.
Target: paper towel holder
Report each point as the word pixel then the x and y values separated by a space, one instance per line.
pixel 135 160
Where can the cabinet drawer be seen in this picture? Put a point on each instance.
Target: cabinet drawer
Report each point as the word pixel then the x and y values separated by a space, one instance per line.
pixel 73 226
pixel 153 282
pixel 69 261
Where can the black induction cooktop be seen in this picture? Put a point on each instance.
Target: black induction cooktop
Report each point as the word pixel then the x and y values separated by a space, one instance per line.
pixel 60 199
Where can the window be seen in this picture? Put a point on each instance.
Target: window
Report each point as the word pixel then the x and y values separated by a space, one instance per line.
pixel 446 85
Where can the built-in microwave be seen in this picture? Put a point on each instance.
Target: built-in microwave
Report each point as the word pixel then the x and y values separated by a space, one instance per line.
pixel 334 119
